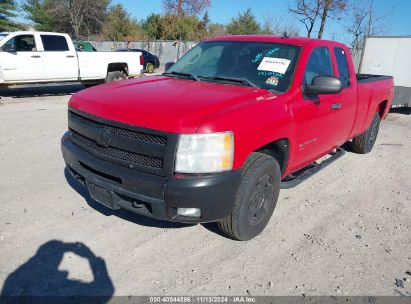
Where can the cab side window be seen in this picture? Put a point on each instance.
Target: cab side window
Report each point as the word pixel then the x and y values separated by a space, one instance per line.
pixel 319 64
pixel 22 43
pixel 344 74
pixel 54 43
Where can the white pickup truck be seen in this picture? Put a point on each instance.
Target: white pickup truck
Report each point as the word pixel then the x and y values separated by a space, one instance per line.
pixel 41 57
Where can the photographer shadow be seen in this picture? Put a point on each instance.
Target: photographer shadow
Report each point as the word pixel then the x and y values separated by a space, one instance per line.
pixel 40 276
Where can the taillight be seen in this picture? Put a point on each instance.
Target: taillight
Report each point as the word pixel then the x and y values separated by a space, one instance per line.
pixel 141 59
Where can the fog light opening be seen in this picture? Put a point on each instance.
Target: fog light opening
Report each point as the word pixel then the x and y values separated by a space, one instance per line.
pixel 190 212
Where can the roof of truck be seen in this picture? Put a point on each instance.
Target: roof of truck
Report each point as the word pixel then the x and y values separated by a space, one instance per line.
pixel 300 41
pixel 33 32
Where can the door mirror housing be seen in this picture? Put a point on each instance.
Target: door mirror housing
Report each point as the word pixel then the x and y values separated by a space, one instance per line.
pixel 11 48
pixel 169 65
pixel 323 85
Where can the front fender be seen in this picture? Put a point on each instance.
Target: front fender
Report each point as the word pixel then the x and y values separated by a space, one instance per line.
pixel 254 125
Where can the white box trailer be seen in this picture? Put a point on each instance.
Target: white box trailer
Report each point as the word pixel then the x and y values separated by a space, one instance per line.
pixel 390 55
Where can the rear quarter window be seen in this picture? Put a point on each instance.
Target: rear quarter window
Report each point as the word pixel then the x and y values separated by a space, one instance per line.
pixel 343 72
pixel 54 43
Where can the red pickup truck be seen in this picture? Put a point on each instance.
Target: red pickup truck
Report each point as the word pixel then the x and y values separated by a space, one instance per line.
pixel 217 135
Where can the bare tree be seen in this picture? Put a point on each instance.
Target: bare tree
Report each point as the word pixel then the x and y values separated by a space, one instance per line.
pixel 307 12
pixel 365 21
pixel 273 25
pixel 330 6
pixel 84 16
pixel 185 7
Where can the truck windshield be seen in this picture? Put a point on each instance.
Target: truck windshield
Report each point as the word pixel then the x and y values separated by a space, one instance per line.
pixel 260 64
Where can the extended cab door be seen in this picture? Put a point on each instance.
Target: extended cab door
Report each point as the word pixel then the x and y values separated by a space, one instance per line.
pixel 20 59
pixel 60 58
pixel 347 103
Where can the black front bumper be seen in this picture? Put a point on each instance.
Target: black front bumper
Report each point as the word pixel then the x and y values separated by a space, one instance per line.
pixel 154 196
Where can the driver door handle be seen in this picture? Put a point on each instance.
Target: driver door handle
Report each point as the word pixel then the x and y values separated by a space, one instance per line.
pixel 336 106
pixel 35 56
pixel 70 56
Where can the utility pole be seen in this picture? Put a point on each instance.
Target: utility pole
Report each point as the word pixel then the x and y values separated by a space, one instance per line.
pixel 370 18
pixel 180 8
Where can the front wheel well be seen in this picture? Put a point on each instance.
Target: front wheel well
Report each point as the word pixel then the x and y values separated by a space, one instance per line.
pixel 280 150
pixel 118 67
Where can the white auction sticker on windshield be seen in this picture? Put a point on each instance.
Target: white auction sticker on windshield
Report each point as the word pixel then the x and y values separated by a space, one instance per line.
pixel 278 65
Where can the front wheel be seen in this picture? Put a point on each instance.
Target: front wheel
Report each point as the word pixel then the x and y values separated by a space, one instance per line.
pixel 256 198
pixel 115 76
pixel 364 142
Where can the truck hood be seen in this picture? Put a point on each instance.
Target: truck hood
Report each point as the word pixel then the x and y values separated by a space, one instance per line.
pixel 162 103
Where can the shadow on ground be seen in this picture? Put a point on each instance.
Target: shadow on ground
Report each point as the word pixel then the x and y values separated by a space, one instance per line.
pixel 405 111
pixel 41 90
pixel 348 147
pixel 40 277
pixel 123 214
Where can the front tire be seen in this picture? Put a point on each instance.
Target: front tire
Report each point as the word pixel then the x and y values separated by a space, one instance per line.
pixel 364 142
pixel 115 76
pixel 256 198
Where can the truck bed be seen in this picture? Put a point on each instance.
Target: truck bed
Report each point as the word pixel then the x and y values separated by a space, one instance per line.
pixel 372 90
pixel 363 78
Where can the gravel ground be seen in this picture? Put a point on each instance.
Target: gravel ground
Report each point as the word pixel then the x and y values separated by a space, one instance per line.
pixel 345 231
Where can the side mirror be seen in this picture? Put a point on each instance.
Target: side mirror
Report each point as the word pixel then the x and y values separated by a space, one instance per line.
pixel 9 48
pixel 323 85
pixel 169 65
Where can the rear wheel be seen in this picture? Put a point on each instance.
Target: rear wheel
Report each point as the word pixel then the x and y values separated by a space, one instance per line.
pixel 364 142
pixel 256 198
pixel 115 76
pixel 150 67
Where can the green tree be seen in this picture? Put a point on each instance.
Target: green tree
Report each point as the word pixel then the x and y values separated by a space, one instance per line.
pixel 7 12
pixel 216 30
pixel 244 24
pixel 203 26
pixel 180 28
pixel 38 12
pixel 152 26
pixel 119 26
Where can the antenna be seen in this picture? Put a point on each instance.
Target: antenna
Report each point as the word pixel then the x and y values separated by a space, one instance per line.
pixel 285 35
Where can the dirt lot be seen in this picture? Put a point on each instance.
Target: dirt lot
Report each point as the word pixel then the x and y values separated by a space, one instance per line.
pixel 346 231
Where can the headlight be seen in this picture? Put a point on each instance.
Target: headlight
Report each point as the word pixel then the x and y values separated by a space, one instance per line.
pixel 205 153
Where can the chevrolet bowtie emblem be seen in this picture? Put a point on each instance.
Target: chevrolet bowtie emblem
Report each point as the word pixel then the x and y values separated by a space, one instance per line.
pixel 104 138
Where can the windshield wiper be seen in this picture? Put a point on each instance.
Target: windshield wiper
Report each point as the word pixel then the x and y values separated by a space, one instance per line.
pixel 242 81
pixel 187 75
